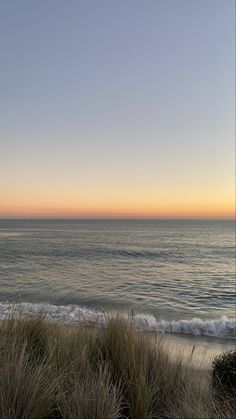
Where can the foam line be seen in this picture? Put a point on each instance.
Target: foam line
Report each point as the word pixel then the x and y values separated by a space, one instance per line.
pixel 223 327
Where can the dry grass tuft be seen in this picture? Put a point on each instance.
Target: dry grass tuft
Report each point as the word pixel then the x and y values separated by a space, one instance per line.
pixel 53 371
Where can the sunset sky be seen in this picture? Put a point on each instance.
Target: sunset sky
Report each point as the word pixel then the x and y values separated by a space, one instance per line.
pixel 117 108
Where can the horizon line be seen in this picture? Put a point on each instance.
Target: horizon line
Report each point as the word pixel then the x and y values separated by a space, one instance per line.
pixel 118 217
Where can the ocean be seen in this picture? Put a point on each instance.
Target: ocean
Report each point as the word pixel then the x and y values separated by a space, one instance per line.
pixel 175 276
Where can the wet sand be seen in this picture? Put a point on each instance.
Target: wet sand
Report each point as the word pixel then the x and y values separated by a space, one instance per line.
pixel 200 349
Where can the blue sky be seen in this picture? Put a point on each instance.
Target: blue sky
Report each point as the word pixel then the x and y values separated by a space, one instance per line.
pixel 116 99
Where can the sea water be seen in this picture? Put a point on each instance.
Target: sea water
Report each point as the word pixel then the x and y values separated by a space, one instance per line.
pixel 173 275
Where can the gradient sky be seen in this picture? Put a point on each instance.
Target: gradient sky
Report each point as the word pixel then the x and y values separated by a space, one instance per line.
pixel 117 108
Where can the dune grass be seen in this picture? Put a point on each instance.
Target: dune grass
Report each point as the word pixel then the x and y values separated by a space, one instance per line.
pixel 54 371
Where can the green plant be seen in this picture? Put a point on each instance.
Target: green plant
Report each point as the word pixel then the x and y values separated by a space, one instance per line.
pixel 223 372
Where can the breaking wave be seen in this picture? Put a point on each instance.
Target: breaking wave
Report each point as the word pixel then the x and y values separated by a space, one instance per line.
pixel 223 327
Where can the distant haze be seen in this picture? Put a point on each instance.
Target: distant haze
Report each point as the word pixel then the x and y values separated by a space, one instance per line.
pixel 117 108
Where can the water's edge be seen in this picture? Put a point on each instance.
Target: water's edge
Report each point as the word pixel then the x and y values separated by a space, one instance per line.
pixel 222 327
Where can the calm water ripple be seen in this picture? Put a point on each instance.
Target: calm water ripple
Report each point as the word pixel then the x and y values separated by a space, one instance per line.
pixel 170 269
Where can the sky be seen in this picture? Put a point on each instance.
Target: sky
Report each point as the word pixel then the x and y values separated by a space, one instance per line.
pixel 117 108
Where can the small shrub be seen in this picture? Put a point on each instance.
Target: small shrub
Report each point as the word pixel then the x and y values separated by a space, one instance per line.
pixel 223 372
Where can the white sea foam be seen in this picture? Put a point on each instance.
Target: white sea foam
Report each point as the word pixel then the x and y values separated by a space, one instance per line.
pixel 223 327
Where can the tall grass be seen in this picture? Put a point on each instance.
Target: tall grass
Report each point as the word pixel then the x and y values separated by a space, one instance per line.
pixel 54 371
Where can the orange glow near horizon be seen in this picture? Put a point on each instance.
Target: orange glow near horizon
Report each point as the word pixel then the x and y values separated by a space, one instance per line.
pixel 121 198
pixel 201 211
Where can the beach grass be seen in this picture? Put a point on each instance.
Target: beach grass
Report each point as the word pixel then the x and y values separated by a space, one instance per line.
pixel 56 371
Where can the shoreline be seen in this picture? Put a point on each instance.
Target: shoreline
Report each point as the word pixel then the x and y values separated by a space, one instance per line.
pixel 201 347
pixel 221 330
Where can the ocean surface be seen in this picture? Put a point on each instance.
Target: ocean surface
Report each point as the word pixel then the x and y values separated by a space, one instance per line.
pixel 173 275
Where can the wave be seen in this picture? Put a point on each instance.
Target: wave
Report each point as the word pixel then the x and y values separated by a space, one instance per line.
pixel 223 327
